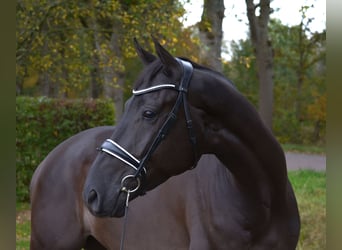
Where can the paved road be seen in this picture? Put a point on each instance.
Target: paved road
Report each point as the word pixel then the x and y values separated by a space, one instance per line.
pixel 305 161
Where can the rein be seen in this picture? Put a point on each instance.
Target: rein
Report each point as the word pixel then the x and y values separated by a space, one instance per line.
pixel 123 234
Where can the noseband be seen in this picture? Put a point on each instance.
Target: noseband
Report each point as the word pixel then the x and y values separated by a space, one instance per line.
pixel 114 149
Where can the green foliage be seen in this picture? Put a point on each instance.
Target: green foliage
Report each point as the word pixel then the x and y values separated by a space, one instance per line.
pixel 43 123
pixel 69 48
pixel 242 70
pixel 300 88
pixel 299 111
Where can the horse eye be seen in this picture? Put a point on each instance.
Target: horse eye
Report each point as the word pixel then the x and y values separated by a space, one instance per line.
pixel 148 114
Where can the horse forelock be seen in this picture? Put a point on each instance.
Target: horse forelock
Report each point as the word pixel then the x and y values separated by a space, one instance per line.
pixel 145 78
pixel 150 71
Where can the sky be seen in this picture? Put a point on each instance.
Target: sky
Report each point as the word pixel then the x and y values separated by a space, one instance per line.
pixel 235 23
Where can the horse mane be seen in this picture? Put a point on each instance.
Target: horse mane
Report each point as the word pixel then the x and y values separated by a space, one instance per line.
pixel 201 67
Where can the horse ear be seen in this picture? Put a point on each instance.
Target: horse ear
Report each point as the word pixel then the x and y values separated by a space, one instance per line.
pixel 145 56
pixel 166 58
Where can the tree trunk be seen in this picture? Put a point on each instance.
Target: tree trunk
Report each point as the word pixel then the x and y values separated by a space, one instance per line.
pixel 95 86
pixel 300 70
pixel 109 57
pixel 117 92
pixel 47 88
pixel 210 33
pixel 95 73
pixel 258 26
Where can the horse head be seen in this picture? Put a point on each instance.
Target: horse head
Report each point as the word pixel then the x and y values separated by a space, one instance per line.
pixel 180 110
pixel 156 138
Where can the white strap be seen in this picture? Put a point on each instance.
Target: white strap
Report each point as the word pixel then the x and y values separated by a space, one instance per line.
pixel 153 88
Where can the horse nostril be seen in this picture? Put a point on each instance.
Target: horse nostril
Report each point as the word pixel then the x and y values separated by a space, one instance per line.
pixel 92 196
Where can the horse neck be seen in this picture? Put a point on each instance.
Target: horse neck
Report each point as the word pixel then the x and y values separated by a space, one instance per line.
pixel 234 132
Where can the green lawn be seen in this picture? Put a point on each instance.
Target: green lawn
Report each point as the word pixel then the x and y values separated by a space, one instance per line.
pixel 310 149
pixel 310 189
pixel 23 226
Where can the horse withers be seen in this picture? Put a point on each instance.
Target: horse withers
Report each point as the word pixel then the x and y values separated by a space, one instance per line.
pixel 179 112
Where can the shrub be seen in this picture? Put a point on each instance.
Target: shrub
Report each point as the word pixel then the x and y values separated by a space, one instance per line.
pixel 42 123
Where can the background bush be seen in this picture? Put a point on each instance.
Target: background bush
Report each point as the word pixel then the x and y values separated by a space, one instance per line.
pixel 42 123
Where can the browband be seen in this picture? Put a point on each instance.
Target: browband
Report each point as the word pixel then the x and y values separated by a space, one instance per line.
pixel 154 88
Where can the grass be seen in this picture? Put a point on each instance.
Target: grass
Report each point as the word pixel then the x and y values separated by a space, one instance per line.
pixel 310 149
pixel 23 226
pixel 310 189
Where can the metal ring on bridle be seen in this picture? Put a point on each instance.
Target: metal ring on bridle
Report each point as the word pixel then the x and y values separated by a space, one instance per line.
pixel 125 189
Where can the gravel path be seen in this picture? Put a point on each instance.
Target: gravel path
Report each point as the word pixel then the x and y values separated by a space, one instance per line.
pixel 305 161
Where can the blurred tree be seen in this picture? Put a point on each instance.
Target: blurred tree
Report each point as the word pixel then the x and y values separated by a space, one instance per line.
pixel 292 54
pixel 210 33
pixel 300 77
pixel 79 48
pixel 242 69
pixel 311 50
pixel 258 17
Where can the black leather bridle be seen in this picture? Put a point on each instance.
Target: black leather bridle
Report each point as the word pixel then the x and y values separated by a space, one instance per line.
pixel 114 149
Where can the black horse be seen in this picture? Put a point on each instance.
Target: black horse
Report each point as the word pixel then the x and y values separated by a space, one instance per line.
pixel 179 112
pixel 186 208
